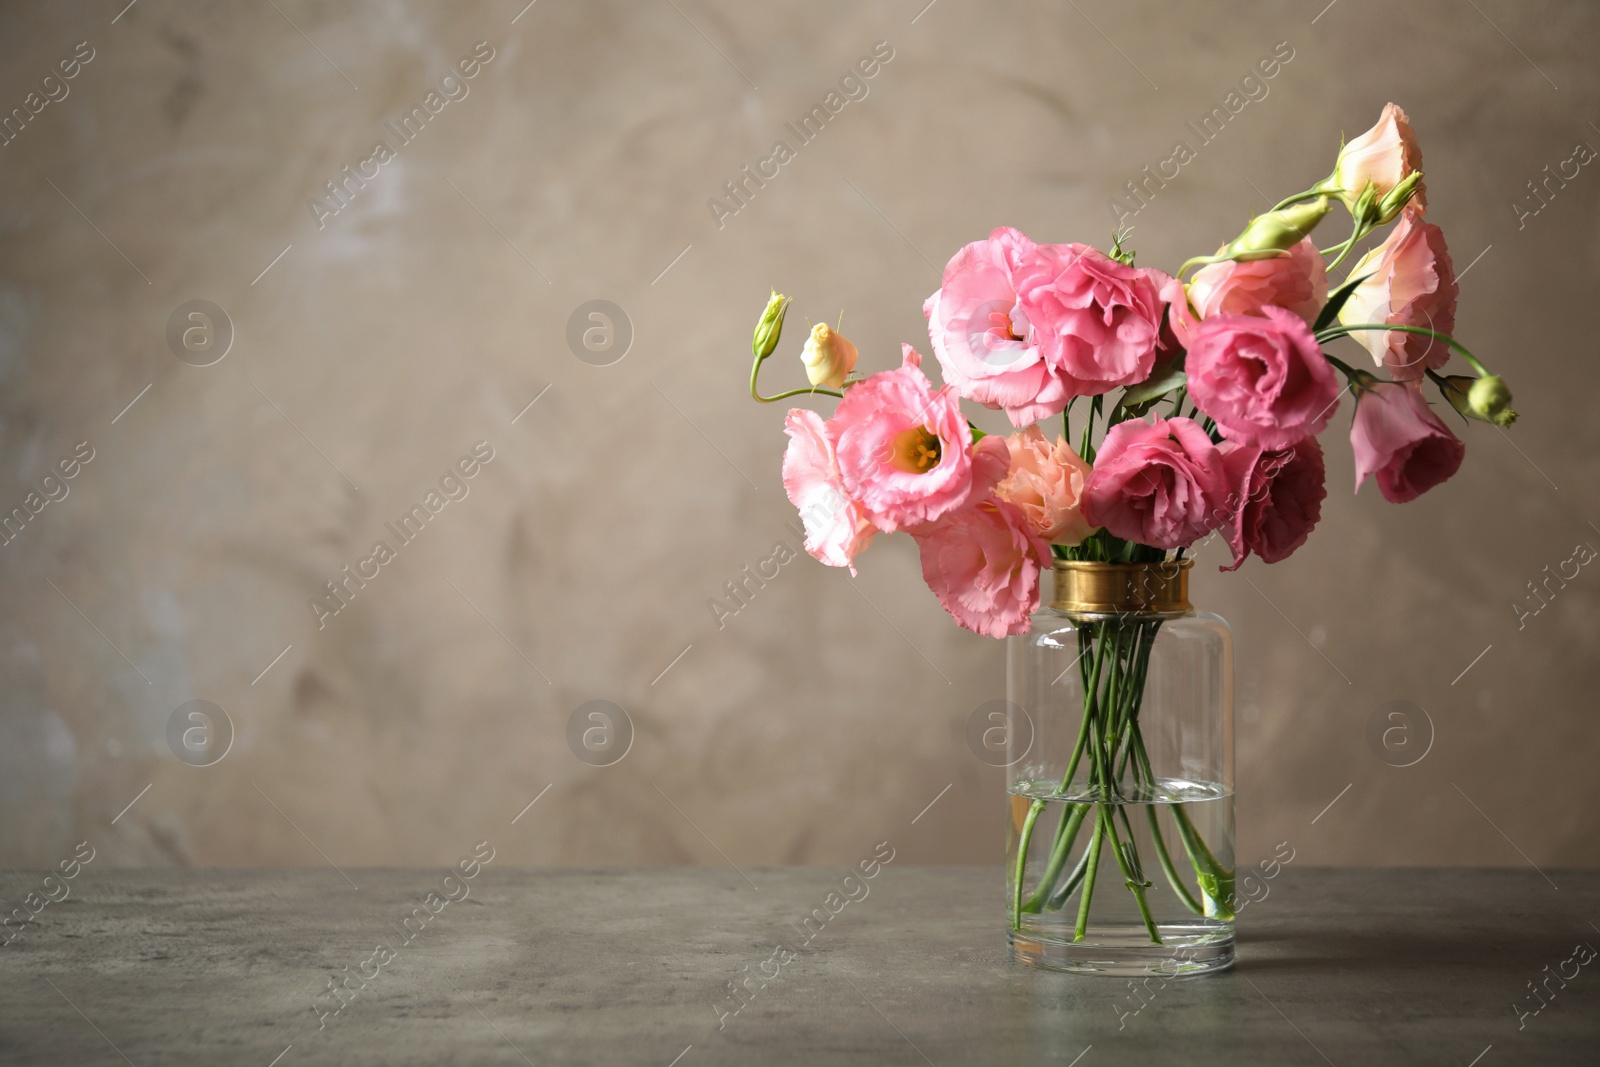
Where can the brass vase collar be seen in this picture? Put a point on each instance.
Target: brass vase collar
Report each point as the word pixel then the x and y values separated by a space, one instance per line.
pixel 1090 587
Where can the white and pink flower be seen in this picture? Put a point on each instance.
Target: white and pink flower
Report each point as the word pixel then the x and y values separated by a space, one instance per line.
pixel 837 528
pixel 905 451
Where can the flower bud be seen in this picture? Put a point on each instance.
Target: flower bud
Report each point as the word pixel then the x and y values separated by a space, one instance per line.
pixel 1397 198
pixel 829 358
pixel 1486 399
pixel 1277 230
pixel 1490 400
pixel 770 328
pixel 1455 388
pixel 1384 157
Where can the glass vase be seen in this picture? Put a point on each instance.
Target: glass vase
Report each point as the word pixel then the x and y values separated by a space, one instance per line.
pixel 1120 835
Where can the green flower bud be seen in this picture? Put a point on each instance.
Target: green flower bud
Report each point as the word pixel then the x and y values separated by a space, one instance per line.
pixel 1490 400
pixel 1277 230
pixel 770 328
pixel 1455 388
pixel 1396 199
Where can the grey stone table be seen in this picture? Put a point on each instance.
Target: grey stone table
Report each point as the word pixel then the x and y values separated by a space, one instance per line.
pixel 633 967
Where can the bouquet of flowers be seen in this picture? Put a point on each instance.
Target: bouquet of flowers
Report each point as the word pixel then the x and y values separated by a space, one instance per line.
pixel 1186 408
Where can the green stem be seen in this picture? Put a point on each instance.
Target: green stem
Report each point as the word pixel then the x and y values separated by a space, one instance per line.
pixel 1058 900
pixel 1066 837
pixel 1082 926
pixel 1022 858
pixel 1025 843
pixel 1132 872
pixel 755 394
pixel 1173 880
pixel 1333 332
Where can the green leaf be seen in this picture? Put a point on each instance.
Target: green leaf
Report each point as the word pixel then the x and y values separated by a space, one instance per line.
pixel 1336 302
pixel 1163 382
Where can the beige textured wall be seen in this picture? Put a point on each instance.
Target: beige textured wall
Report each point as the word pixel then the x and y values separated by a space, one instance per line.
pixel 423 317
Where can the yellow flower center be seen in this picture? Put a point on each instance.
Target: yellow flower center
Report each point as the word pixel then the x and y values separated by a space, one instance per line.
pixel 916 451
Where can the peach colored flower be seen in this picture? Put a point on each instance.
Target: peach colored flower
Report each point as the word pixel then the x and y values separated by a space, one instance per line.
pixel 837 529
pixel 983 564
pixel 1046 483
pixel 905 450
pixel 1297 282
pixel 1398 437
pixel 1384 156
pixel 1412 283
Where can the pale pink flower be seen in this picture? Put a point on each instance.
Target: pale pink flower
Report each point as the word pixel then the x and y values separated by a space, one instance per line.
pixel 983 564
pixel 1046 482
pixel 837 529
pixel 983 344
pixel 1263 378
pixel 905 450
pixel 1398 437
pixel 1025 327
pixel 1160 484
pixel 1277 498
pixel 1297 282
pixel 1412 283
pixel 1384 155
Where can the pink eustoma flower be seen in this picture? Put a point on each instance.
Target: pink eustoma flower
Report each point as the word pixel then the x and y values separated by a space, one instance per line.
pixel 1398 437
pixel 1277 498
pixel 1263 378
pixel 837 528
pixel 1412 283
pixel 1161 484
pixel 905 450
pixel 1297 282
pixel 983 564
pixel 1025 327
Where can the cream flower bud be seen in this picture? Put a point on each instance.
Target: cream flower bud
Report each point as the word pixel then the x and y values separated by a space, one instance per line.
pixel 828 356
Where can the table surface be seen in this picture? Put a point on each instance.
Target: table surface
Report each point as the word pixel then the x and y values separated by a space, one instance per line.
pixel 632 966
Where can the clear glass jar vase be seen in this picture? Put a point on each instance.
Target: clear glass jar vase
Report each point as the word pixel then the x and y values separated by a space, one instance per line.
pixel 1120 835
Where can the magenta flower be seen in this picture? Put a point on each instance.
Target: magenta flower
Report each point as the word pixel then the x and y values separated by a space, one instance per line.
pixel 905 450
pixel 1277 498
pixel 1398 437
pixel 1160 484
pixel 1263 378
pixel 983 564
